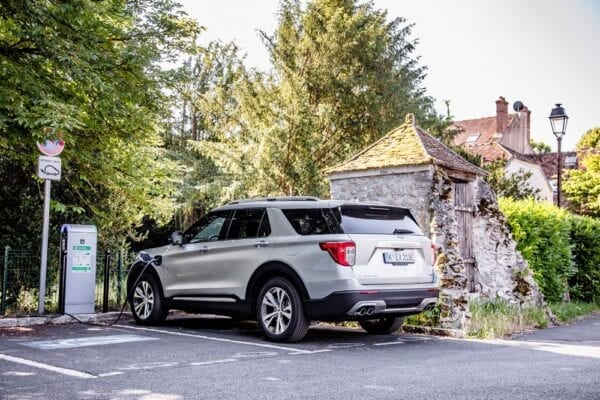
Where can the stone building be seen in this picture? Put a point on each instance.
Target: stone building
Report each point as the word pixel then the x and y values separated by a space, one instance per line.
pixel 453 205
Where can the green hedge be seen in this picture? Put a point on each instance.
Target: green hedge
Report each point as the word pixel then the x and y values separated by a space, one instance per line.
pixel 585 241
pixel 542 232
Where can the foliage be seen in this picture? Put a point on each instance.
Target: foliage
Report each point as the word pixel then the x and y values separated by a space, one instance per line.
pixel 570 310
pixel 88 71
pixel 342 76
pixel 540 147
pixel 584 285
pixel 513 185
pixel 582 187
pixel 542 234
pixel 426 318
pixel 498 318
pixel 590 140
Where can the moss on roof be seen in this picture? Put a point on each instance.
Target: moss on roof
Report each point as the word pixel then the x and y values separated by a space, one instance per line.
pixel 406 145
pixel 401 146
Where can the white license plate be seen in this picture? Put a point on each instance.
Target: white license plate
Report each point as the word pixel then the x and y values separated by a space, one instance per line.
pixel 399 257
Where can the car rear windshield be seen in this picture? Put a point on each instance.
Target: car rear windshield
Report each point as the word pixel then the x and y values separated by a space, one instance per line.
pixel 377 220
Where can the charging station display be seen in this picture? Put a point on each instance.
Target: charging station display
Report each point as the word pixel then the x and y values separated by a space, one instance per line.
pixel 78 268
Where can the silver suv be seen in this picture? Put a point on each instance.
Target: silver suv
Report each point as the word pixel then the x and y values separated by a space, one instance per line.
pixel 287 261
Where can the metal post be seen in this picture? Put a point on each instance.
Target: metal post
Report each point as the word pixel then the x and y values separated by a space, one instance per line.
pixel 106 281
pixel 44 261
pixel 558 176
pixel 4 279
pixel 119 275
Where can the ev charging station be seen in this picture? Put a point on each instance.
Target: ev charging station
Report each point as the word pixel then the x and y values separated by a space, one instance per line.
pixel 78 268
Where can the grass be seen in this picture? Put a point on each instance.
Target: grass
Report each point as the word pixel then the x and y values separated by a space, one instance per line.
pixel 498 318
pixel 568 311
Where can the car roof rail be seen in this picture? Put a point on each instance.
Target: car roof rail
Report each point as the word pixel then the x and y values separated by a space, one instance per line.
pixel 284 198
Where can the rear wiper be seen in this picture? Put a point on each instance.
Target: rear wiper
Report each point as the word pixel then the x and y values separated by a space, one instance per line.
pixel 397 231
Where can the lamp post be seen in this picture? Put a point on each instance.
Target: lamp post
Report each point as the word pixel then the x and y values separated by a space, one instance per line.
pixel 558 120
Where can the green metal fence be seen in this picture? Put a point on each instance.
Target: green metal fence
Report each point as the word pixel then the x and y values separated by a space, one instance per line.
pixel 20 278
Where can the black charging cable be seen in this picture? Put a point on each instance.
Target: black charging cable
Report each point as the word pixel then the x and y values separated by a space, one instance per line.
pixel 130 294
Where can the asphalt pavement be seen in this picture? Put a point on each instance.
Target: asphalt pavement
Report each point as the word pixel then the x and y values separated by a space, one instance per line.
pixel 205 357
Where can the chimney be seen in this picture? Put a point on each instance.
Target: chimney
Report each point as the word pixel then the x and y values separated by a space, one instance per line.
pixel 501 115
pixel 527 131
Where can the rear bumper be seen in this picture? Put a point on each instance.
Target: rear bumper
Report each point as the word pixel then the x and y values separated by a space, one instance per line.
pixel 354 305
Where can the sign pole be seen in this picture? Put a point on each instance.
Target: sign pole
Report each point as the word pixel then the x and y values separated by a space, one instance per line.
pixel 49 169
pixel 44 261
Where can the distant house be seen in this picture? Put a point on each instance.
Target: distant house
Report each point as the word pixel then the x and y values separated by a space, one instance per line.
pixel 507 136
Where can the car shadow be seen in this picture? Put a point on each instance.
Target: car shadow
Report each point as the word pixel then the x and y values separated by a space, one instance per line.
pixel 324 333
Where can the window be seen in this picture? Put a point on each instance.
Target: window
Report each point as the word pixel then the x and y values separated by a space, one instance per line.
pixel 472 138
pixel 570 161
pixel 377 220
pixel 249 223
pixel 208 228
pixel 311 221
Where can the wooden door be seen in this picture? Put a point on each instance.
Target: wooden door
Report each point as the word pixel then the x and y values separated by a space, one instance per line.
pixel 463 204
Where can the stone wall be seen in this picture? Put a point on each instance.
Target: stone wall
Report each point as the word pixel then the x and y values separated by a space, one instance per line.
pixel 501 270
pixel 408 190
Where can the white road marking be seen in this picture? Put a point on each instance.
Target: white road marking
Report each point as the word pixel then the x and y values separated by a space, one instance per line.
pixel 86 341
pixel 551 347
pixel 111 373
pixel 389 343
pixel 152 365
pixel 35 364
pixel 226 360
pixel 344 345
pixel 272 379
pixel 378 387
pixel 17 373
pixel 265 345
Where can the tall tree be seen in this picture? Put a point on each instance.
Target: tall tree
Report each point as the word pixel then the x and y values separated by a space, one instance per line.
pixel 342 76
pixel 582 187
pixel 89 71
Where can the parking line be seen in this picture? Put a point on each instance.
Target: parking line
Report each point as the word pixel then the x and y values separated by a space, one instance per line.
pixel 265 345
pixel 35 364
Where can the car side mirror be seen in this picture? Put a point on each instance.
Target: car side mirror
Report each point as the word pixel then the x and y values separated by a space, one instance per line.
pixel 177 238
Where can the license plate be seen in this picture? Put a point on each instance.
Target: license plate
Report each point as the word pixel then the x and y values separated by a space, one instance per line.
pixel 399 257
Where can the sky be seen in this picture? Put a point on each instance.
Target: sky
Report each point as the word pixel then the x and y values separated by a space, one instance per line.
pixel 536 51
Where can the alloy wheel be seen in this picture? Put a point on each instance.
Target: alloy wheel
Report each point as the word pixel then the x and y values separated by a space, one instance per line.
pixel 143 299
pixel 276 310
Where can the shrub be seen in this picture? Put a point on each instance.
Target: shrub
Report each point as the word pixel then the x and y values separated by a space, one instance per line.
pixel 568 311
pixel 585 240
pixel 542 234
pixel 497 318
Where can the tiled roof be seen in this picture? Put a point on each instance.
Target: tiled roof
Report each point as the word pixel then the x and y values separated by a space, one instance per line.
pixel 405 145
pixel 443 155
pixel 485 127
pixel 549 162
pixel 401 146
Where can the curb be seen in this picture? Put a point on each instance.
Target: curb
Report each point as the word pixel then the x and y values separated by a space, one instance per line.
pixel 59 319
pixel 454 333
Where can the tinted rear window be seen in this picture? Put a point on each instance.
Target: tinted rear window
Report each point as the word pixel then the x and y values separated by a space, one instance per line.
pixel 313 221
pixel 377 220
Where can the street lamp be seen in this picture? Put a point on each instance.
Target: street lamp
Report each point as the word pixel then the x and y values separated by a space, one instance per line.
pixel 558 120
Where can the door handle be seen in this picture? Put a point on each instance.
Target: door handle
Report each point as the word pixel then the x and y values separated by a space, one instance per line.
pixel 262 243
pixel 204 250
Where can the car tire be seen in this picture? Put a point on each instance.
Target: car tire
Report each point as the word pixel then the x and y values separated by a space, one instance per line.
pixel 147 304
pixel 381 326
pixel 280 312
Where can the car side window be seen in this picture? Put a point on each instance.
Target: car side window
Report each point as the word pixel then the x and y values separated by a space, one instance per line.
pixel 249 223
pixel 311 221
pixel 208 228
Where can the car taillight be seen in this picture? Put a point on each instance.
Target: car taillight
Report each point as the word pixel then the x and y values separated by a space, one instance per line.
pixel 433 254
pixel 343 253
